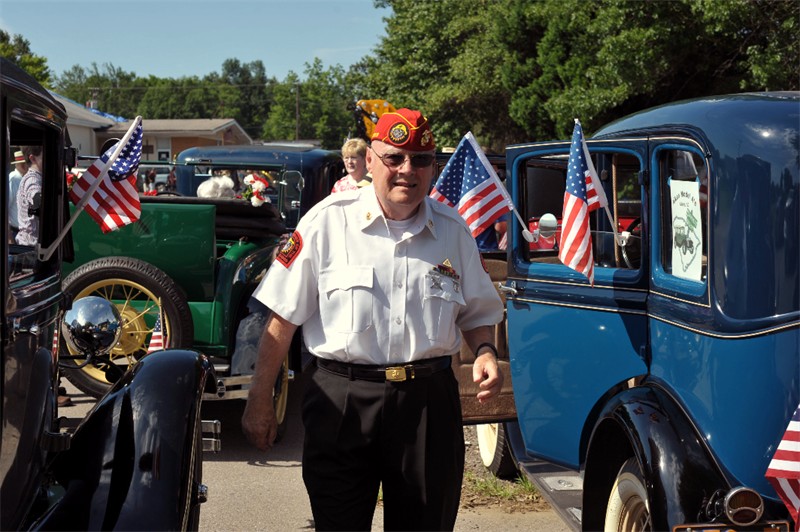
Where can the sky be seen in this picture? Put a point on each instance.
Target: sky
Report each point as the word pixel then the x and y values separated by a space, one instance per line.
pixel 177 38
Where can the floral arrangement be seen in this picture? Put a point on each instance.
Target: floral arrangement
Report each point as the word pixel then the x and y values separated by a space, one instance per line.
pixel 256 190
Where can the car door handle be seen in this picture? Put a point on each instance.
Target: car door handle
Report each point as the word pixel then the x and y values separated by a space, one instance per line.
pixel 509 290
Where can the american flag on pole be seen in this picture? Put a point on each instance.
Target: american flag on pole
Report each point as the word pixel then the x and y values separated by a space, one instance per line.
pixel 157 341
pixel 470 184
pixel 783 471
pixel 115 202
pixel 583 194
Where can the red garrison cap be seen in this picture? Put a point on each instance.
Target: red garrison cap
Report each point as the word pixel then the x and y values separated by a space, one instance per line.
pixel 405 129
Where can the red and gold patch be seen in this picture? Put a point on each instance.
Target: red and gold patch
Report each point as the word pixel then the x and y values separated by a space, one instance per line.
pixel 291 249
pixel 398 133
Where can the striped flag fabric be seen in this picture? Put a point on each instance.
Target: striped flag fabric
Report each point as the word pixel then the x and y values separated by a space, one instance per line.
pixel 583 194
pixel 157 339
pixel 783 471
pixel 115 202
pixel 470 184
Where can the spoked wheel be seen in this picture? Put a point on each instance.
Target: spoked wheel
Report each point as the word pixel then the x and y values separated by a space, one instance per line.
pixel 628 509
pixel 140 291
pixel 495 452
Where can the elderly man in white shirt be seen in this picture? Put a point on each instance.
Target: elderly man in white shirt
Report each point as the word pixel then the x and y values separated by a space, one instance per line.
pixel 385 282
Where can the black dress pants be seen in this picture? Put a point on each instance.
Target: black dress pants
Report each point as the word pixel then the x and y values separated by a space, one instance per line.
pixel 404 436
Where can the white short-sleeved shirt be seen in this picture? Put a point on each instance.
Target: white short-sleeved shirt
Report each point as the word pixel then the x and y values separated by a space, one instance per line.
pixel 363 297
pixel 30 185
pixel 14 179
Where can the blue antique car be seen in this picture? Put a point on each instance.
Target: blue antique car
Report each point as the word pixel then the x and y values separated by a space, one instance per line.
pixel 655 399
pixel 135 461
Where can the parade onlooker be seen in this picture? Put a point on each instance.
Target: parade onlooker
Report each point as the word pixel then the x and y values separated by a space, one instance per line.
pixel 14 178
pixel 354 154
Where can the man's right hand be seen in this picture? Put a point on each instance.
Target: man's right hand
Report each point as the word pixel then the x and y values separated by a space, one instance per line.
pixel 259 423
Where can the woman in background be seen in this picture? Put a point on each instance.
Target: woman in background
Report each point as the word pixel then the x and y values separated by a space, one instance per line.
pixel 354 153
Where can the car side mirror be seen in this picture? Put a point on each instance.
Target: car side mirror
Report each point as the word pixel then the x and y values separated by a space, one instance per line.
pixel 548 225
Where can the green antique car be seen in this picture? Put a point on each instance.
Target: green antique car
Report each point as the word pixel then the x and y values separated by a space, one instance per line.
pixel 194 262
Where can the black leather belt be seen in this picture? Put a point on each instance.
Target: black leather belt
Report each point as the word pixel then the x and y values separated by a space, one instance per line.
pixel 377 373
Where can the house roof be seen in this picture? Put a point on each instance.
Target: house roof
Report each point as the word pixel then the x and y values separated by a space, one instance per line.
pixel 188 126
pixel 80 115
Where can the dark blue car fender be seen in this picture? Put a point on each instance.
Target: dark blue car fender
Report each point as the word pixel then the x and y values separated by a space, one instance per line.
pixel 135 461
pixel 679 471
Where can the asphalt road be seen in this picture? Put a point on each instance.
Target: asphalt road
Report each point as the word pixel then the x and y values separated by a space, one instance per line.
pixel 251 490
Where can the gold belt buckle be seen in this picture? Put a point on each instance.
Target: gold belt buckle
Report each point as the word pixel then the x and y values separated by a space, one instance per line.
pixel 399 373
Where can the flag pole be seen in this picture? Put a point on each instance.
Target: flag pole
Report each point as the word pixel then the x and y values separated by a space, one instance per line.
pixel 489 168
pixel 593 173
pixel 46 253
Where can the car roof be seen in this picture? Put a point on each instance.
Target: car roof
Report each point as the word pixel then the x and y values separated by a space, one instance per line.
pixel 257 154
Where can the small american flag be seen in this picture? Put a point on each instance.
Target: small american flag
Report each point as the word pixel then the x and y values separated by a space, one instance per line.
pixel 157 341
pixel 54 348
pixel 469 183
pixel 580 198
pixel 783 471
pixel 115 202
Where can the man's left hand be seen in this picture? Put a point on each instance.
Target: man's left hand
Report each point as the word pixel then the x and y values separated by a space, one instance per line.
pixel 486 374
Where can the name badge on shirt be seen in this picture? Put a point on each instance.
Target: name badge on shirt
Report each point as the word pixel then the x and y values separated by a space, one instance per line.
pixel 445 270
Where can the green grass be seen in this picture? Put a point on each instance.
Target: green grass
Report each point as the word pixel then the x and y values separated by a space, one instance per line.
pixel 491 486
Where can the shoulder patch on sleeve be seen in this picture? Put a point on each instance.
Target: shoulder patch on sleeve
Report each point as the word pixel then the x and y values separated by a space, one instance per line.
pixel 290 250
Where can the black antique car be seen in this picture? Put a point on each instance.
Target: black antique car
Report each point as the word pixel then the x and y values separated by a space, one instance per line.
pixel 135 461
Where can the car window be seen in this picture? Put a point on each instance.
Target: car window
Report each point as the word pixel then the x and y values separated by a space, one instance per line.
pixel 543 195
pixel 683 199
pixel 36 204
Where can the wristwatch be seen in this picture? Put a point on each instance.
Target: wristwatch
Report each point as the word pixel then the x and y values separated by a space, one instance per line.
pixel 490 346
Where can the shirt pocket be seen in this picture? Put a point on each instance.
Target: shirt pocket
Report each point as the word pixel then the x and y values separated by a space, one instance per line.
pixel 441 301
pixel 346 299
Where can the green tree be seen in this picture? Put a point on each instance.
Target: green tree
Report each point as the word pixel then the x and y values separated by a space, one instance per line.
pixel 315 108
pixel 282 123
pixel 250 96
pixel 187 97
pixel 112 89
pixel 18 50
pixel 324 104
pixel 515 70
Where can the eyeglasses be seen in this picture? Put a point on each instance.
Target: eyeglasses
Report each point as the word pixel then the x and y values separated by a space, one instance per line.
pixel 396 160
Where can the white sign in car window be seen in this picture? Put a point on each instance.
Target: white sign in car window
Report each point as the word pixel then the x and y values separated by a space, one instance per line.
pixel 687 231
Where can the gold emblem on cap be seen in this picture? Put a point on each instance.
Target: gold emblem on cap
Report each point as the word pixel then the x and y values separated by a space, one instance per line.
pixel 426 138
pixel 369 216
pixel 398 133
pixel 447 263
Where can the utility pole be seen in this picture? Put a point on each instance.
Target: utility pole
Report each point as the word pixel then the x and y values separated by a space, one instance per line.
pixel 297 112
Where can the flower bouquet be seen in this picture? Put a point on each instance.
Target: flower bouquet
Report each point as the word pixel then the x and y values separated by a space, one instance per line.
pixel 256 190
